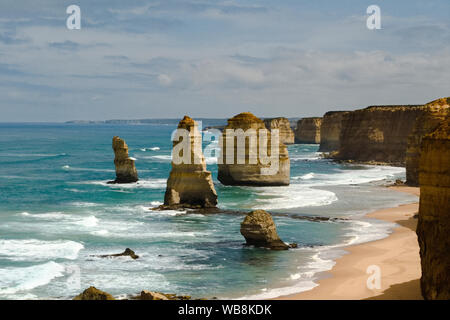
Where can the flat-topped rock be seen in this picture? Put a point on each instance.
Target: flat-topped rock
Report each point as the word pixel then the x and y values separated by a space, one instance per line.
pixel 189 183
pixel 330 131
pixel 308 130
pixel 241 162
pixel 125 169
pixel 284 126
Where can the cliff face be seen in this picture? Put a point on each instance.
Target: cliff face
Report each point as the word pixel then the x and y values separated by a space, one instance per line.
pixel 308 130
pixel 125 169
pixel 377 134
pixel 433 227
pixel 254 170
pixel 284 126
pixel 189 184
pixel 330 131
pixel 435 112
pixel 259 230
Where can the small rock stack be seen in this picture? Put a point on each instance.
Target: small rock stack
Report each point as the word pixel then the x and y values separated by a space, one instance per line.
pixel 125 169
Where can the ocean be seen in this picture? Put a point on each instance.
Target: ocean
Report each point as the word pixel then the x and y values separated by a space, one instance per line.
pixel 57 214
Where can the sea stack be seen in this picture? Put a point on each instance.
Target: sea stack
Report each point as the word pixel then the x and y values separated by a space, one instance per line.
pixel 330 131
pixel 377 134
pixel 434 113
pixel 251 169
pixel 283 125
pixel 259 230
pixel 189 183
pixel 308 130
pixel 433 227
pixel 125 169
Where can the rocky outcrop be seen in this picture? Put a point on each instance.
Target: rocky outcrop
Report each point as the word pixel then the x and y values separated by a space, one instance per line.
pixel 433 227
pixel 259 230
pixel 93 293
pixel 308 130
pixel 150 295
pixel 127 252
pixel 252 170
pixel 189 183
pixel 330 131
pixel 377 134
pixel 283 125
pixel 125 169
pixel 435 112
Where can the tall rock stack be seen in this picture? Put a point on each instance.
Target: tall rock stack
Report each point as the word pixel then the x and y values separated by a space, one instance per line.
pixel 433 227
pixel 330 131
pixel 190 184
pixel 125 169
pixel 283 125
pixel 233 173
pixel 434 113
pixel 377 134
pixel 308 130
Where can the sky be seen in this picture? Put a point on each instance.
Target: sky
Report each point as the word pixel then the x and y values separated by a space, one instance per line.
pixel 164 59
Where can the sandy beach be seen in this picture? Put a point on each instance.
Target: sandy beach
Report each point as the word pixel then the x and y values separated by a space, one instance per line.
pixel 397 256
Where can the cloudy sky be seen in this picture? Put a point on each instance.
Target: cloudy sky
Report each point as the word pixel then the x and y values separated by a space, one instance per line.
pixel 153 59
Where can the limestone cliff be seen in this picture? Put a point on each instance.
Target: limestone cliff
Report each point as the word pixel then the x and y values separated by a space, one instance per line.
pixel 330 131
pixel 125 169
pixel 259 230
pixel 308 130
pixel 189 183
pixel 377 134
pixel 435 112
pixel 433 227
pixel 283 125
pixel 254 170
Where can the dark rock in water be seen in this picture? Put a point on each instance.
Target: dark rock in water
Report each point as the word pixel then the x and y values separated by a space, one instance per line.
pixel 293 245
pixel 259 230
pixel 93 293
pixel 127 252
pixel 125 169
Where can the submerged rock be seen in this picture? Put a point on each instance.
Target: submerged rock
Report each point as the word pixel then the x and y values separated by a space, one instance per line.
pixel 259 230
pixel 189 184
pixel 125 169
pixel 284 126
pixel 308 130
pixel 433 227
pixel 127 252
pixel 93 293
pixel 254 170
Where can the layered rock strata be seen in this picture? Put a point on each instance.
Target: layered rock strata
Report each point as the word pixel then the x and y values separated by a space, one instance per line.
pixel 433 227
pixel 251 154
pixel 189 183
pixel 283 125
pixel 330 131
pixel 125 169
pixel 377 134
pixel 435 112
pixel 259 230
pixel 308 130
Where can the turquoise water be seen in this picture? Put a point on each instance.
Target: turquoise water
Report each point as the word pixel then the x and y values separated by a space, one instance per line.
pixel 57 213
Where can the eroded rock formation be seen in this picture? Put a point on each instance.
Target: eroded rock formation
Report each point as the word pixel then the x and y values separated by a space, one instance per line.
pixel 189 183
pixel 308 130
pixel 127 252
pixel 259 230
pixel 433 227
pixel 377 134
pixel 254 170
pixel 330 131
pixel 435 112
pixel 93 293
pixel 283 125
pixel 125 169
